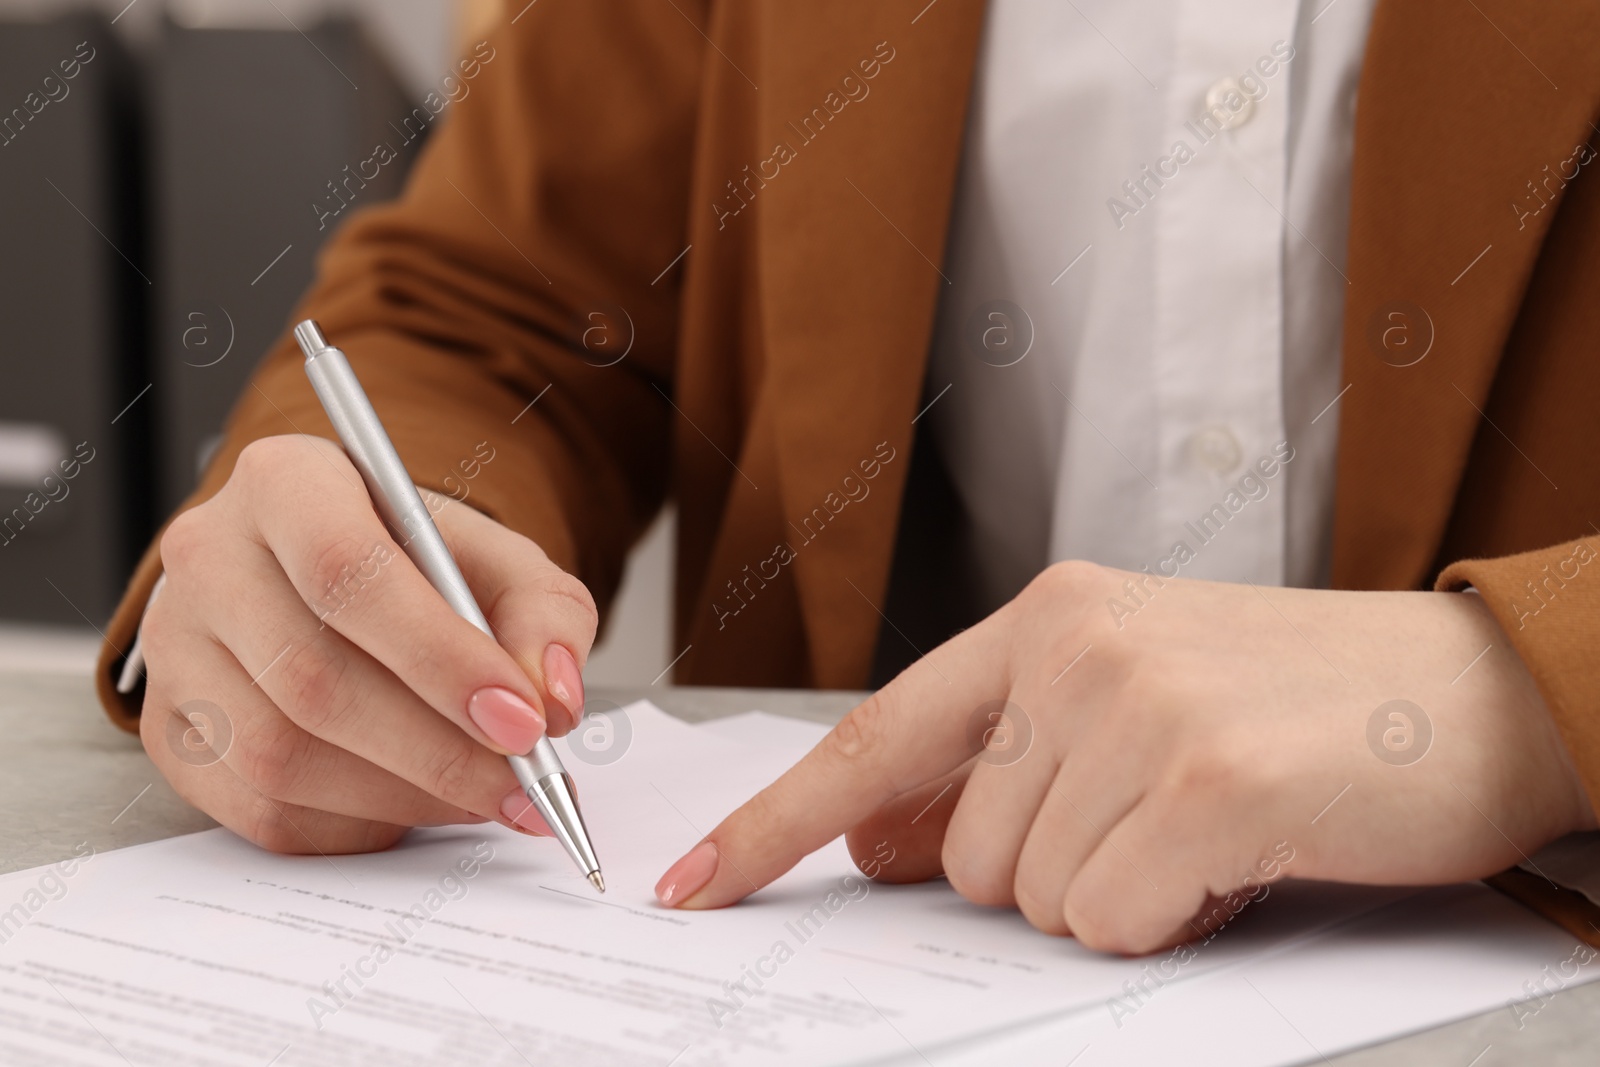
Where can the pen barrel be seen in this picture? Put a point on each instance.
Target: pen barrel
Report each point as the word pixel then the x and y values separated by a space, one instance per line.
pixel 403 511
pixel 388 484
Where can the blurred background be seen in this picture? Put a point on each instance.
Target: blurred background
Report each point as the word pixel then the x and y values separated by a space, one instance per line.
pixel 159 163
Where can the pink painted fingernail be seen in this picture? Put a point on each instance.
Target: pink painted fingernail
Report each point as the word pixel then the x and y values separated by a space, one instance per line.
pixel 518 809
pixel 686 877
pixel 564 680
pixel 505 718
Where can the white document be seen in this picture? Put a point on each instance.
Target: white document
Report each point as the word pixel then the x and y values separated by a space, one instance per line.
pixel 474 945
pixel 764 730
pixel 1442 954
pixel 1420 962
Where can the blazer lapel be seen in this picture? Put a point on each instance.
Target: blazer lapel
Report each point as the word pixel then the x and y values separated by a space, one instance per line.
pixel 870 102
pixel 864 106
pixel 1466 120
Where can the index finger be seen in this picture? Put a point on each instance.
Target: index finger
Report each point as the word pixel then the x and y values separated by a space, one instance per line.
pixel 321 527
pixel 912 730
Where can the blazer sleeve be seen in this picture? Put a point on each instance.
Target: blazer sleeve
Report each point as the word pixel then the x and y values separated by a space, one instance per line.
pixel 515 294
pixel 1548 603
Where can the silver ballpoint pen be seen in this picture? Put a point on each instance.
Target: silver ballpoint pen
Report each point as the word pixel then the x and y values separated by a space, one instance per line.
pixel 540 772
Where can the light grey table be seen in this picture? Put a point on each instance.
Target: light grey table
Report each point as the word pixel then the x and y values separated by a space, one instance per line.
pixel 67 776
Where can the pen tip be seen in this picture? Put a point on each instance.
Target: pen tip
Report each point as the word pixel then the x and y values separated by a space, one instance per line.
pixel 597 881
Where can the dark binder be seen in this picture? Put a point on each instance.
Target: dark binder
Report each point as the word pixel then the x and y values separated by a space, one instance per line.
pixel 74 280
pixel 254 131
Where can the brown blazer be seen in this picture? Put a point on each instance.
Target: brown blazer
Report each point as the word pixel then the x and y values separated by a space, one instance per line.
pixel 747 201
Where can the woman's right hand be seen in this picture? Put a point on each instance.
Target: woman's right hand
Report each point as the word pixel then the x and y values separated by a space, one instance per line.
pixel 307 687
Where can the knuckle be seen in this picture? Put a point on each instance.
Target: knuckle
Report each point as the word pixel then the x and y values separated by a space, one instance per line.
pixel 1105 918
pixel 571 601
pixel 537 556
pixel 861 735
pixel 334 560
pixel 452 774
pixel 972 877
pixel 267 458
pixel 1042 913
pixel 262 460
pixel 269 828
pixel 185 538
pixel 274 759
pixel 270 472
pixel 312 680
pixel 1090 924
pixel 1051 619
pixel 1210 772
pixel 1069 579
pixel 456 653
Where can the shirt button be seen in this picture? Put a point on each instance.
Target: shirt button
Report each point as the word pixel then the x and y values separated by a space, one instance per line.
pixel 1228 104
pixel 1215 448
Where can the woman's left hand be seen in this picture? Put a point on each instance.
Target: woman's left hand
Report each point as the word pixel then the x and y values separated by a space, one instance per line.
pixel 1111 770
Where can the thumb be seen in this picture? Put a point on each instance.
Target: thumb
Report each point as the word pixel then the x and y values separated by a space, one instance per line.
pixel 543 616
pixel 913 730
pixel 903 841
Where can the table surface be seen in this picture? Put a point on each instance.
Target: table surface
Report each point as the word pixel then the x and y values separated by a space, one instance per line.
pixel 67 776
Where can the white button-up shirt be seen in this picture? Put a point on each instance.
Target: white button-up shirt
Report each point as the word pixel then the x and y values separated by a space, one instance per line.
pixel 1141 335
